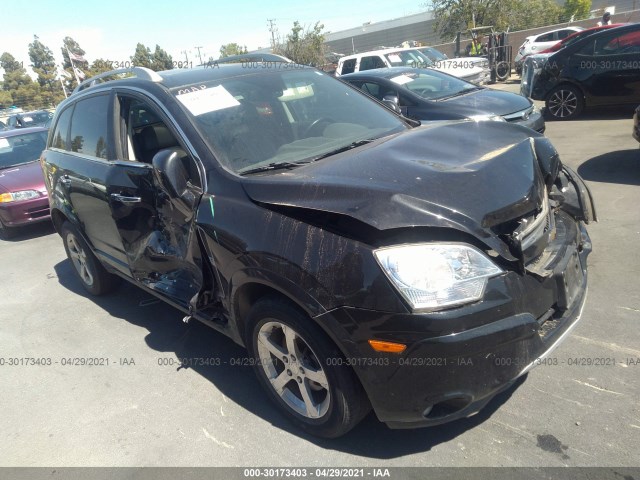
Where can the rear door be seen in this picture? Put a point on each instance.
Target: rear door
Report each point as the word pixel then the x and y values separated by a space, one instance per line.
pixel 609 68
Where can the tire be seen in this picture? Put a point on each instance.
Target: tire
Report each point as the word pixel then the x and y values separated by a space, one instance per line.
pixel 564 102
pixel 7 233
pixel 93 276
pixel 503 70
pixel 324 399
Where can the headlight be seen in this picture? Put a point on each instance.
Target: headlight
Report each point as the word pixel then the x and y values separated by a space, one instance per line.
pixel 485 118
pixel 18 196
pixel 436 276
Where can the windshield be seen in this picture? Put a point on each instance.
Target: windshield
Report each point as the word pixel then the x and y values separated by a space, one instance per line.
pixel 433 85
pixel 19 149
pixel 408 58
pixel 282 117
pixel 433 54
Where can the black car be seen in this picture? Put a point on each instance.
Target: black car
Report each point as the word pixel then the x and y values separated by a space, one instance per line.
pixel 425 94
pixel 600 69
pixel 363 262
pixel 39 118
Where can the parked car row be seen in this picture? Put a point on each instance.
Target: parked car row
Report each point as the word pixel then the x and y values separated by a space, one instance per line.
pixel 599 69
pixel 474 71
pixel 429 95
pixel 341 242
pixel 37 118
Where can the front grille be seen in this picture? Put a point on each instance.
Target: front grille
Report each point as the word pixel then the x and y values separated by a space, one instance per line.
pixel 38 212
pixel 518 116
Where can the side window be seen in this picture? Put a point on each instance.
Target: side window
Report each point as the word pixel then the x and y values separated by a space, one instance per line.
pixel 89 126
pixel 349 66
pixel 372 89
pixel 588 48
pixel 549 37
pixel 562 34
pixel 142 133
pixel 369 63
pixel 618 45
pixel 59 136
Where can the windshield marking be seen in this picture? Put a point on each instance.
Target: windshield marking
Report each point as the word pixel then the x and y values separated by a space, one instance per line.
pixel 208 100
pixel 402 79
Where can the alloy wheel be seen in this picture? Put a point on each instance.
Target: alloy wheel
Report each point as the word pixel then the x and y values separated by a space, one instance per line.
pixel 79 259
pixel 562 103
pixel 293 370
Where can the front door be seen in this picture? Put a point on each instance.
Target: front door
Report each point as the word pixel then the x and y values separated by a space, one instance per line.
pixel 156 223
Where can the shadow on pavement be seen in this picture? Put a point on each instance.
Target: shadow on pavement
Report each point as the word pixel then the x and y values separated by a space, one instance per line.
pixel 622 166
pixel 29 232
pixel 601 113
pixel 168 334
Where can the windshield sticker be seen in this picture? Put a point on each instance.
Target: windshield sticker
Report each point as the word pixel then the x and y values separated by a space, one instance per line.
pixel 402 79
pixel 208 100
pixel 4 143
pixel 394 58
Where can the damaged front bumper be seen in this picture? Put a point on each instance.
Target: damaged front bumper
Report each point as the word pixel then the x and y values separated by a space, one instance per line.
pixel 457 360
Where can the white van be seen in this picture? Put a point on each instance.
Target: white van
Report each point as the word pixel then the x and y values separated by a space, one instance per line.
pixel 406 57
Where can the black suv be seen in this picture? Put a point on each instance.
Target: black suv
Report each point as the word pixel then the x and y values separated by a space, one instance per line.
pixel 600 69
pixel 364 261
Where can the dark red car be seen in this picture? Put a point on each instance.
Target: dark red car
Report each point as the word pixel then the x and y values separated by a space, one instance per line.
pixel 23 196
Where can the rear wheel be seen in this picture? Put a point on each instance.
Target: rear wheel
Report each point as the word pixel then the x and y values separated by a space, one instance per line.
pixel 564 102
pixel 93 276
pixel 503 70
pixel 302 372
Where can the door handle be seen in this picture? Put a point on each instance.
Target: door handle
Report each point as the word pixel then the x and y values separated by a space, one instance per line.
pixel 124 199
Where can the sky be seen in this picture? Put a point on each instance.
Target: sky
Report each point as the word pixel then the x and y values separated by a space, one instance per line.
pixel 110 30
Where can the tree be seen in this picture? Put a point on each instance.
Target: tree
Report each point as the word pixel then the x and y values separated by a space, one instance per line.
pixel 161 60
pixel 577 9
pixel 24 92
pixel 453 16
pixel 232 49
pixel 142 57
pixel 44 65
pixel 303 45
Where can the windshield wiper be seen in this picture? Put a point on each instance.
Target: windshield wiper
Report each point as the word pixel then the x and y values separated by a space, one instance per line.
pixel 463 92
pixel 272 166
pixel 352 145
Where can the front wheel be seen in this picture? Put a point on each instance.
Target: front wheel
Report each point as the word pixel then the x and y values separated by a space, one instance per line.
pixel 301 371
pixel 564 103
pixel 93 276
pixel 7 233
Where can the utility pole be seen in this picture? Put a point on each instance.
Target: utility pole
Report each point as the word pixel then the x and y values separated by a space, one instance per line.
pixel 199 55
pixel 272 29
pixel 186 57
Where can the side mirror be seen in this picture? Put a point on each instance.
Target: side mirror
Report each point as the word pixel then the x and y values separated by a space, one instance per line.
pixel 392 102
pixel 170 173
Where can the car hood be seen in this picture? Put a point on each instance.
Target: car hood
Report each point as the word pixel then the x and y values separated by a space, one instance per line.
pixel 489 101
pixel 469 176
pixel 459 71
pixel 22 177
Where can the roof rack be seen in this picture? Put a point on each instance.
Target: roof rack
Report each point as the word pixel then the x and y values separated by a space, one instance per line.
pixel 138 72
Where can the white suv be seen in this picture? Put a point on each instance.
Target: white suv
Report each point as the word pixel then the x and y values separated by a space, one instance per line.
pixel 406 57
pixel 542 41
